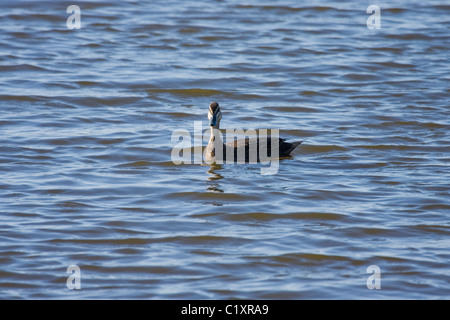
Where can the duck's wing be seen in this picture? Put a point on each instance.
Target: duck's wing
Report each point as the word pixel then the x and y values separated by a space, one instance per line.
pixel 284 148
pixel 263 147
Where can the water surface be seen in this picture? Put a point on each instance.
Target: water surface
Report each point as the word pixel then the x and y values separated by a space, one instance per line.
pixel 85 150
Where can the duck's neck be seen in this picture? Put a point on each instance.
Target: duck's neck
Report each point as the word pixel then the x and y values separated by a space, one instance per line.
pixel 216 136
pixel 215 143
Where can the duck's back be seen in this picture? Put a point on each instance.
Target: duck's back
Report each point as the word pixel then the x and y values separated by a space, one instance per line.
pixel 256 149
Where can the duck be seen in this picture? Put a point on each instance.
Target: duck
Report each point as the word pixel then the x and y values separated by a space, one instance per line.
pixel 246 150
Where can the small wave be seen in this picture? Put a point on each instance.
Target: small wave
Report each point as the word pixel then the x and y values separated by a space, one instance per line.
pixel 409 36
pixel 262 216
pixel 312 93
pixel 136 164
pixel 286 8
pixel 392 64
pixel 195 92
pixel 212 196
pixel 321 148
pixel 22 67
pixel 30 98
pixel 34 16
pixel 395 10
pixel 305 259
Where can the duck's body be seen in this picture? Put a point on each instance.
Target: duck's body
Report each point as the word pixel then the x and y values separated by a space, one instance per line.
pixel 244 150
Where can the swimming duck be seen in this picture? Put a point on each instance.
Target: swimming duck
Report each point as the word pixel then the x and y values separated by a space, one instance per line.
pixel 255 149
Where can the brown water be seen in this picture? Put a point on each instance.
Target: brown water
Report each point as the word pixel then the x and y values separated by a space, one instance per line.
pixel 87 179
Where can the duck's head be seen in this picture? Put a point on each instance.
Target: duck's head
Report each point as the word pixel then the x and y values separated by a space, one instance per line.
pixel 214 115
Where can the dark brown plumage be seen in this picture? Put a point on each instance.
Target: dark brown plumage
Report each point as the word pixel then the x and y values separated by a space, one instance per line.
pixel 261 148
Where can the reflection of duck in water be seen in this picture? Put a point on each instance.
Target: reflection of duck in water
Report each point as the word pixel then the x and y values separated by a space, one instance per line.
pixel 213 180
pixel 265 147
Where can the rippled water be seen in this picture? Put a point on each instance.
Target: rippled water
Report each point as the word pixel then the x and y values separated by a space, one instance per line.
pixel 85 150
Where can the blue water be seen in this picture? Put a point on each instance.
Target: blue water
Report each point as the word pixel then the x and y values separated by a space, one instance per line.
pixel 87 178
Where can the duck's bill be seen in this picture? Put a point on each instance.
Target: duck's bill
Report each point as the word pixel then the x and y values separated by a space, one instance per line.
pixel 213 120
